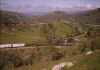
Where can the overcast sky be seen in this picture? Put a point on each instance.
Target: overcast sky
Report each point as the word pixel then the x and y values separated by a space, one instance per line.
pixel 48 5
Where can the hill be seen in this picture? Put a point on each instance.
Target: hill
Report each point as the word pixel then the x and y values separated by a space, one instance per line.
pixel 88 21
pixel 19 28
pixel 14 30
pixel 89 17
pixel 53 16
pixel 14 17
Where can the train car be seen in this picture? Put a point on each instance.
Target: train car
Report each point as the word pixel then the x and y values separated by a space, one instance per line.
pixel 11 45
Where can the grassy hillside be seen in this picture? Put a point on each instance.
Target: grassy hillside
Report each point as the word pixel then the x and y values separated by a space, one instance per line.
pixel 30 34
pixel 89 17
pixel 14 17
pixel 88 21
pixel 18 28
pixel 91 62
pixel 42 58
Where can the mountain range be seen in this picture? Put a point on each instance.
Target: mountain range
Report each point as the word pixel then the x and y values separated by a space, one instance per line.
pixel 14 17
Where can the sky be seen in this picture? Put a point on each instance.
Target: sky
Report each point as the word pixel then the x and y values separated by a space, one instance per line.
pixel 29 6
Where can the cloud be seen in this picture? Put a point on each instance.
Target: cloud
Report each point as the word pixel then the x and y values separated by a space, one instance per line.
pixel 89 6
pixel 44 5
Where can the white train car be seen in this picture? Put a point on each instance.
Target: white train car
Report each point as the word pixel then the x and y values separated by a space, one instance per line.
pixel 18 45
pixel 11 45
pixel 5 45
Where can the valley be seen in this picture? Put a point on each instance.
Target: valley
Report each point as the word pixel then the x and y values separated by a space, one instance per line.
pixel 51 39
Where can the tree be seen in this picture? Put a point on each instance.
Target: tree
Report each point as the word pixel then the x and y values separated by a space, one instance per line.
pixel 49 30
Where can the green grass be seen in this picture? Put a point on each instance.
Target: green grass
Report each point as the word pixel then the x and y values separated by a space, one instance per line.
pixel 49 64
pixel 31 34
pixel 63 29
pixel 90 62
pixel 83 62
pixel 24 36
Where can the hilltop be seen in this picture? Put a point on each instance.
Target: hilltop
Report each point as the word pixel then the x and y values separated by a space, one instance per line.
pixel 53 16
pixel 14 17
pixel 88 17
pixel 90 20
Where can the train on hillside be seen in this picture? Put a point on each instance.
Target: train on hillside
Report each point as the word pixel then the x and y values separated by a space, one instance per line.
pixel 11 45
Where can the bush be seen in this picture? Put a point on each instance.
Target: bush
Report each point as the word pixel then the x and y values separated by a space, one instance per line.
pixel 8 58
pixel 48 54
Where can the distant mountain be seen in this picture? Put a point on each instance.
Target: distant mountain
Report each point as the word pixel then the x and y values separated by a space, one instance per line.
pixel 92 17
pixel 53 16
pixel 88 17
pixel 17 18
pixel 12 21
pixel 13 17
